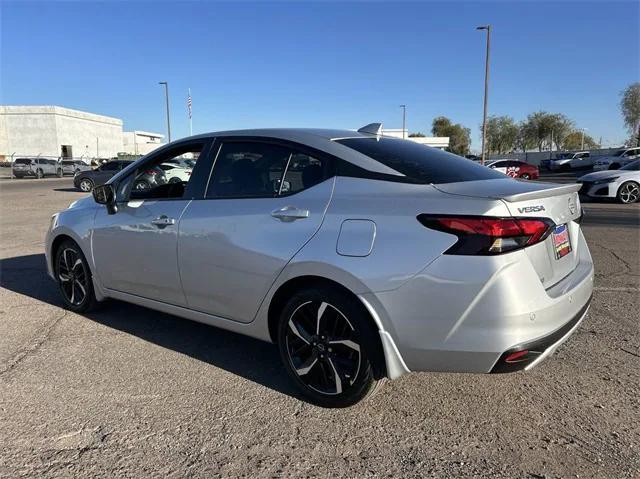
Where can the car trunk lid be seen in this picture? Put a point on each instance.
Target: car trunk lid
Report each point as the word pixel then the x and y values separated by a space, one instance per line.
pixel 556 256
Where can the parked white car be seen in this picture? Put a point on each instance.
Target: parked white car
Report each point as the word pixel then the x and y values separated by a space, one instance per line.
pixel 571 161
pixel 618 159
pixel 175 173
pixel 622 184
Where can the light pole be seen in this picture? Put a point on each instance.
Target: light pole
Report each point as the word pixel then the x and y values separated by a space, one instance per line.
pixel 486 90
pixel 582 142
pixel 404 120
pixel 166 95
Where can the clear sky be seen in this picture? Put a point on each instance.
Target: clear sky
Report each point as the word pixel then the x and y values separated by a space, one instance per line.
pixel 324 64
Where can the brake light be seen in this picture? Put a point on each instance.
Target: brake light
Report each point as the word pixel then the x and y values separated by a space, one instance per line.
pixel 151 172
pixel 483 235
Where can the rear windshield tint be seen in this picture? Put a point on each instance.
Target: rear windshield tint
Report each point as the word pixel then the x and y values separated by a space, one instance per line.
pixel 22 161
pixel 420 163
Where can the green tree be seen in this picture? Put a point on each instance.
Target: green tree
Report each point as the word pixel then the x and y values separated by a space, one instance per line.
pixel 502 134
pixel 573 141
pixel 540 127
pixel 459 136
pixel 630 107
pixel 417 134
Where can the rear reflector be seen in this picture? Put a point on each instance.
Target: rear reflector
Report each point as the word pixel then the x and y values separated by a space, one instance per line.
pixel 517 357
pixel 484 235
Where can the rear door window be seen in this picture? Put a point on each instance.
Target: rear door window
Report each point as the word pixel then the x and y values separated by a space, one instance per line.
pixel 420 163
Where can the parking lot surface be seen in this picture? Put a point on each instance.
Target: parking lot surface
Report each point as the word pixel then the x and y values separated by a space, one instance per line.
pixel 129 392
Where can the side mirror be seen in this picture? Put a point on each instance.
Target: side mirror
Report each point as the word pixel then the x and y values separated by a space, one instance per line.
pixel 106 195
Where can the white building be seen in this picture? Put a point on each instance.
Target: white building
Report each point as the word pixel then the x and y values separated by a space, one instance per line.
pixel 440 142
pixel 56 131
pixel 140 142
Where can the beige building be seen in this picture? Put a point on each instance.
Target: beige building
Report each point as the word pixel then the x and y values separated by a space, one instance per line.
pixel 440 142
pixel 54 131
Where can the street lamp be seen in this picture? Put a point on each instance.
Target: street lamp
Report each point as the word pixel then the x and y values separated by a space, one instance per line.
pixel 582 142
pixel 404 120
pixel 166 95
pixel 486 90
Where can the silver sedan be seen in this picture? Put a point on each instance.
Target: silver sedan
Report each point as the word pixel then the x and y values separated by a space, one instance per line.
pixel 362 257
pixel 622 184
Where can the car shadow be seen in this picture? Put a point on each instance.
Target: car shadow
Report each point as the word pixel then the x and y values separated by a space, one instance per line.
pixel 68 190
pixel 255 360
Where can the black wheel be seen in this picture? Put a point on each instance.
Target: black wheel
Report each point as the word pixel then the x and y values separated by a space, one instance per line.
pixel 629 192
pixel 85 185
pixel 325 342
pixel 74 278
pixel 525 176
pixel 39 174
pixel 175 179
pixel 59 173
pixel 141 185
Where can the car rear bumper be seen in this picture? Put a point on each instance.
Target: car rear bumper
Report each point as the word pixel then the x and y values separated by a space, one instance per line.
pixel 529 354
pixel 23 173
pixel 461 314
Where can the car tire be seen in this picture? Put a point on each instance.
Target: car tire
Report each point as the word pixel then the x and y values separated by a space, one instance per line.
pixel 175 179
pixel 59 173
pixel 74 279
pixel 39 174
pixel 330 364
pixel 141 185
pixel 85 185
pixel 525 176
pixel 629 192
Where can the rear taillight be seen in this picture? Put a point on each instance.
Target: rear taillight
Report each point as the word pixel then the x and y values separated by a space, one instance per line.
pixel 483 235
pixel 151 172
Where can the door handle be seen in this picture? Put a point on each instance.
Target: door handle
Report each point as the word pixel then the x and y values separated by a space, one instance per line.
pixel 289 214
pixel 163 221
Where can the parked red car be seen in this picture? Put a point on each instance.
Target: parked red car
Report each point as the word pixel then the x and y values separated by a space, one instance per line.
pixel 515 169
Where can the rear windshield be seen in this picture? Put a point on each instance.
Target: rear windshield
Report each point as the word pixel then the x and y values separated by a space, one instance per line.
pixel 420 163
pixel 23 161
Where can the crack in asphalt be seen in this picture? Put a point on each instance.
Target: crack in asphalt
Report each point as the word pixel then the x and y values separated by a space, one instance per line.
pixel 615 255
pixel 40 338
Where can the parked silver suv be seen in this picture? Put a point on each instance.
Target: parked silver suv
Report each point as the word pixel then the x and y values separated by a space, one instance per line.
pixel 36 167
pixel 73 167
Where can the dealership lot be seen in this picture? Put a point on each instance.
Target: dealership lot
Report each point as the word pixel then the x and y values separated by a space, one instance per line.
pixel 129 391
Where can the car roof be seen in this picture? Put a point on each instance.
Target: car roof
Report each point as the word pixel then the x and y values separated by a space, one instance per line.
pixel 318 138
pixel 293 134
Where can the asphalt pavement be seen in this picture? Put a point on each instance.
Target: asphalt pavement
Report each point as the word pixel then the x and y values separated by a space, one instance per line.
pixel 129 392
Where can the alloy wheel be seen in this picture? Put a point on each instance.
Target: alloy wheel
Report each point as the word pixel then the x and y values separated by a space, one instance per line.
pixel 141 185
pixel 73 277
pixel 629 192
pixel 86 185
pixel 323 347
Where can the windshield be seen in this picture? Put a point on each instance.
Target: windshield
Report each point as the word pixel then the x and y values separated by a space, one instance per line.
pixel 619 153
pixel 633 166
pixel 564 156
pixel 22 161
pixel 420 163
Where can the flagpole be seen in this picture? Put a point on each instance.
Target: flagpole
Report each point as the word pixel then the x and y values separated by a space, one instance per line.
pixel 190 116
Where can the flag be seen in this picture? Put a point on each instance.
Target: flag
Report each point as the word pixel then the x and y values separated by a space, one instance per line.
pixel 189 103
